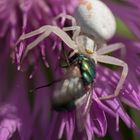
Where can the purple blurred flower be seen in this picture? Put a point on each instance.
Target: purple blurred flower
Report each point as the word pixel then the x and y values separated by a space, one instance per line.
pixel 9 122
pixel 23 16
pixel 15 115
pixel 128 13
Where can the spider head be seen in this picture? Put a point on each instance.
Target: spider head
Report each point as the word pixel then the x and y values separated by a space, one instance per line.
pixel 85 45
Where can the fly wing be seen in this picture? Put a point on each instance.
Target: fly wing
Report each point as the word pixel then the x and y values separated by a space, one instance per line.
pixel 80 103
pixel 82 109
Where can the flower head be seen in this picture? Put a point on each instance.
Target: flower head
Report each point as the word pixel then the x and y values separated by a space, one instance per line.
pixel 31 115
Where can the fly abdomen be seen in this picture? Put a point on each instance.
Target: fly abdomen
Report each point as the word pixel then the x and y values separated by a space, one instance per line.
pixel 66 92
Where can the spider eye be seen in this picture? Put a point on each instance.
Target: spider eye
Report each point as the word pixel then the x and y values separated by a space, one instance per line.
pixel 89 51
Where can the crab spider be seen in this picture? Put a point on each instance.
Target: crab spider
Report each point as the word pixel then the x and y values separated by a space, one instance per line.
pixel 81 44
pixel 99 55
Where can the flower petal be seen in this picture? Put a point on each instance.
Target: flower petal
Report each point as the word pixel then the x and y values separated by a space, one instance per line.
pixel 89 128
pixel 114 104
pixel 9 121
pixel 19 99
pixel 70 126
pixel 98 119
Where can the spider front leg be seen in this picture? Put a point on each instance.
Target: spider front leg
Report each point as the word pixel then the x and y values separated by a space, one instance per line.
pixel 31 34
pixel 110 48
pixel 115 61
pixel 69 17
pixel 74 27
pixel 76 31
pixel 46 30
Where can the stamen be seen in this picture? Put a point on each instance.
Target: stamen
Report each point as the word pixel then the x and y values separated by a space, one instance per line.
pixel 43 56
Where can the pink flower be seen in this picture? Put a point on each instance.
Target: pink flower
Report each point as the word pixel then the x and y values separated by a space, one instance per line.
pixel 30 115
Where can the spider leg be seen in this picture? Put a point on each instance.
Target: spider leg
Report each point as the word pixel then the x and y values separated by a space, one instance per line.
pixel 47 31
pixel 33 33
pixel 76 30
pixel 110 48
pixel 66 58
pixel 69 17
pixel 115 61
pixel 71 28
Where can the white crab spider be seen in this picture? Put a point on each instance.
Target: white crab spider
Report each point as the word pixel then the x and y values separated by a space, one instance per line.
pixel 81 44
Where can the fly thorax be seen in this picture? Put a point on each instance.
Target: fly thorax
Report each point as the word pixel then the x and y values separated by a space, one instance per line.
pixel 87 69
